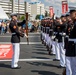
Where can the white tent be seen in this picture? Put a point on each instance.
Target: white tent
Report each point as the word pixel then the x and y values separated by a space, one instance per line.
pixel 3 15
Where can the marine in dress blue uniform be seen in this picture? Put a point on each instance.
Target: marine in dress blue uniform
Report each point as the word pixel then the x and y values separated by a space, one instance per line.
pixel 15 40
pixel 71 46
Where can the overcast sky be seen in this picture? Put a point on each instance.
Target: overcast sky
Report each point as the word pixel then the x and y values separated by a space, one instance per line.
pixel 55 3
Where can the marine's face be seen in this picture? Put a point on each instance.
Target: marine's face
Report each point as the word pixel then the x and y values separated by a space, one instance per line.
pixel 14 17
pixel 58 20
pixel 68 18
pixel 63 18
pixel 73 15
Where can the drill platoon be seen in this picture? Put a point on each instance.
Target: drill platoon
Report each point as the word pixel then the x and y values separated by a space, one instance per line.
pixel 59 37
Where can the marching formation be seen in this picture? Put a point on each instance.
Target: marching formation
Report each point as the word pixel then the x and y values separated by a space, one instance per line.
pixel 59 37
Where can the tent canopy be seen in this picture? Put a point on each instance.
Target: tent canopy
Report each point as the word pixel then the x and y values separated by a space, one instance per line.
pixel 3 15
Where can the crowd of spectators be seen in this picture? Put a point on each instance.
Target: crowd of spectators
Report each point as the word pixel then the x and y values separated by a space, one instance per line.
pixel 33 26
pixel 4 27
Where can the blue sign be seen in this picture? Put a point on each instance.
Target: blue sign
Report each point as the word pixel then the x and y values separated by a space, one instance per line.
pixel 41 17
pixel 34 2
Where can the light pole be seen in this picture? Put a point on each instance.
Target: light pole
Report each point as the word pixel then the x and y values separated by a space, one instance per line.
pixel 40 13
pixel 9 6
pixel 18 6
pixel 57 12
pixel 18 9
pixel 13 6
pixel 40 10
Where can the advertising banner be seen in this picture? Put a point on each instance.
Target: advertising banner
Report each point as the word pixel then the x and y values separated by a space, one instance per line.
pixel 64 7
pixel 51 11
pixel 6 51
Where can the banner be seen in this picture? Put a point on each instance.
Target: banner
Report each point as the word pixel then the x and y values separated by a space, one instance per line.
pixel 51 11
pixel 41 17
pixel 6 51
pixel 64 7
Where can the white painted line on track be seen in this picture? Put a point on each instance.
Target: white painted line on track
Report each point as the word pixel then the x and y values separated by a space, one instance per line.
pixel 31 43
pixel 28 33
pixel 36 60
pixel 28 36
pixel 21 42
pixel 28 60
pixel 34 33
pixel 5 36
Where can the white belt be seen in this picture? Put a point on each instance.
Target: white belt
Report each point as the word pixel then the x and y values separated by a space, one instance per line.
pixel 62 33
pixel 74 40
pixel 47 27
pixel 50 29
pixel 55 32
pixel 66 36
pixel 53 37
pixel 43 27
pixel 13 33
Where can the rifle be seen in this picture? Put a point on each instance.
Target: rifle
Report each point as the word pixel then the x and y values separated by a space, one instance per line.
pixel 27 27
pixel 64 72
pixel 53 22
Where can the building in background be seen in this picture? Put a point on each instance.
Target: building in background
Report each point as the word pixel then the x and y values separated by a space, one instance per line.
pixel 47 11
pixel 28 8
pixel 7 6
pixel 21 7
pixel 37 8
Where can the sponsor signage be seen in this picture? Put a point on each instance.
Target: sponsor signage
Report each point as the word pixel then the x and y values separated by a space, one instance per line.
pixel 51 11
pixel 64 7
pixel 6 51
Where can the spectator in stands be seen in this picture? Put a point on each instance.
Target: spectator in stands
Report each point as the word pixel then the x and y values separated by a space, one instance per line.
pixel 2 27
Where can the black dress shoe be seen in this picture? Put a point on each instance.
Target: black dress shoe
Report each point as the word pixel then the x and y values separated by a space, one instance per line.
pixel 56 60
pixel 16 67
pixel 61 66
pixel 53 55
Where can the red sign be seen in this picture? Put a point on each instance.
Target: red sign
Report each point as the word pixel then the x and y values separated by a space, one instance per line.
pixel 51 11
pixel 6 51
pixel 64 7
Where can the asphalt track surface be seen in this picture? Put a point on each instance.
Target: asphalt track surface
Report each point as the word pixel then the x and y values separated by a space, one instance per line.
pixel 34 58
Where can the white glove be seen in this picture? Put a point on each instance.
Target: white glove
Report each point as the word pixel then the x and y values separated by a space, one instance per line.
pixel 26 36
pixel 64 33
pixel 53 37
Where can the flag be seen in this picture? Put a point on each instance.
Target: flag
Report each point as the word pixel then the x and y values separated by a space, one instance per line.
pixel 64 7
pixel 51 11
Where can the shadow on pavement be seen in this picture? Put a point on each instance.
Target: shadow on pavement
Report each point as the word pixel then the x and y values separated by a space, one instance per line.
pixel 40 49
pixel 5 65
pixel 40 57
pixel 40 46
pixel 42 53
pixel 42 64
pixel 44 72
